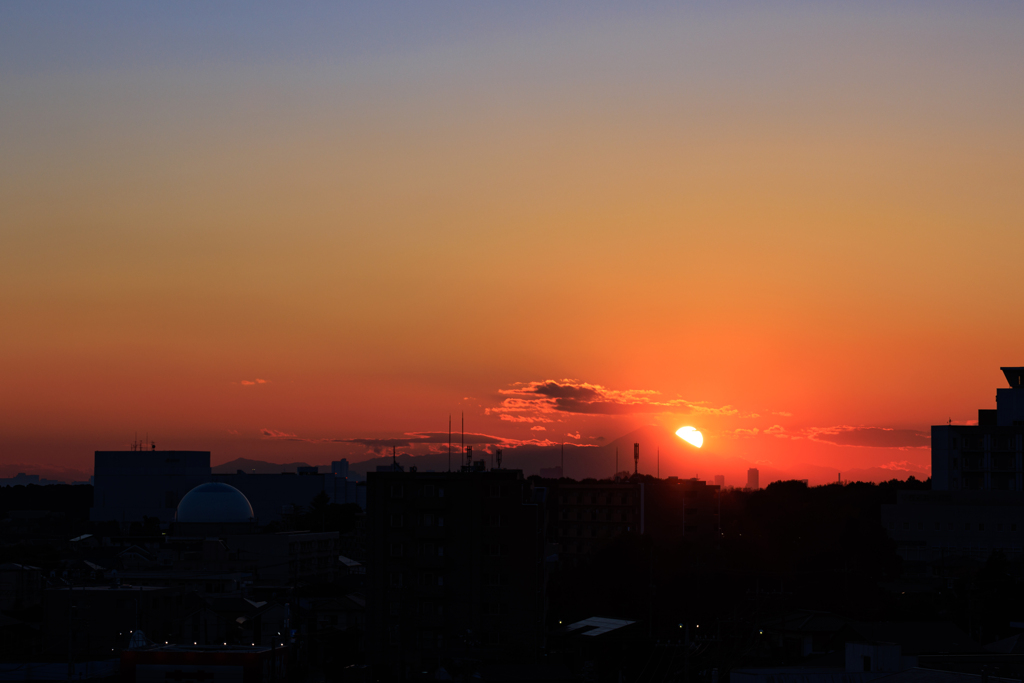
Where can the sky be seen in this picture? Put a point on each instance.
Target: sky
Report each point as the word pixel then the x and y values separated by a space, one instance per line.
pixel 306 231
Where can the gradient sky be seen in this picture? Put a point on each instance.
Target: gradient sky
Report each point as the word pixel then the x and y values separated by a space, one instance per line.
pixel 804 219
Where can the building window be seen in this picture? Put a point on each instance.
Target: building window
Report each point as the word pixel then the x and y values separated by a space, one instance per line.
pixel 440 520
pixel 440 493
pixel 428 520
pixel 440 551
pixel 440 580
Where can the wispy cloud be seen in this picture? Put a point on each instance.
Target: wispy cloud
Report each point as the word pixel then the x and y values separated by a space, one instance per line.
pixel 436 441
pixel 277 434
pixel 252 383
pixel 901 466
pixel 532 401
pixel 871 437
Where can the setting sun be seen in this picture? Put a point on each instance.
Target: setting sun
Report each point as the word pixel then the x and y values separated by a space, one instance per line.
pixel 690 435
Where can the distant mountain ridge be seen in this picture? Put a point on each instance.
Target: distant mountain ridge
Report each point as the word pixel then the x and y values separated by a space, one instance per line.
pixel 257 467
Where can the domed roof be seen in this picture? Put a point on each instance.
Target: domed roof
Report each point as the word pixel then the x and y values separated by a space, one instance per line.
pixel 214 503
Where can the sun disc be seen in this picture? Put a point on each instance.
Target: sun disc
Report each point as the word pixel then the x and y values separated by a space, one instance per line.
pixel 691 436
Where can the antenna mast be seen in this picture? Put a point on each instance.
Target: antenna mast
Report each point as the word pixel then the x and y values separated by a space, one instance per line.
pixel 449 442
pixel 636 457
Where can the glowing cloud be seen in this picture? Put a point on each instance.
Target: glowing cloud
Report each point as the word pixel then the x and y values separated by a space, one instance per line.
pixel 690 435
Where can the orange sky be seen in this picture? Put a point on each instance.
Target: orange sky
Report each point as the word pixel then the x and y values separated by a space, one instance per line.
pixel 804 221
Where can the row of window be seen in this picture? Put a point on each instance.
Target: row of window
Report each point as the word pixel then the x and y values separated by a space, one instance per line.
pixel 417 550
pixel 430 491
pixel 398 521
pixel 996 443
pixel 977 462
pixel 598 515
pixel 967 526
pixel 586 530
pixel 597 499
pixel 428 579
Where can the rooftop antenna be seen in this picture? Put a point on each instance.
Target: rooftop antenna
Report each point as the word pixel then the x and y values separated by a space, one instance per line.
pixel 449 442
pixel 497 455
pixel 636 457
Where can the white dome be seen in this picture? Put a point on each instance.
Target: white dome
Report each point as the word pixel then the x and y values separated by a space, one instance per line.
pixel 214 503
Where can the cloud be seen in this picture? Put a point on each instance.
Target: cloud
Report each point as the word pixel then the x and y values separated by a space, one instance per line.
pixel 573 436
pixel 252 383
pixel 538 428
pixel 870 437
pixel 276 434
pixel 520 418
pixel 745 432
pixel 550 397
pixel 777 431
pixel 901 466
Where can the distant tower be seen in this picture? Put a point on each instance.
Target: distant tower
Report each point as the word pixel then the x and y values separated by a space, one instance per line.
pixel 497 456
pixel 469 457
pixel 720 481
pixel 752 479
pixel 636 457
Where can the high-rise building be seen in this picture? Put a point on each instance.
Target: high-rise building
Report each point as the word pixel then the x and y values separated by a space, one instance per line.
pixel 976 505
pixel 752 479
pixel 720 481
pixel 456 569
pixel 339 468
pixel 986 456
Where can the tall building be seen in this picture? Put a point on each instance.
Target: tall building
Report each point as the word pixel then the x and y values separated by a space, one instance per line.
pixel 986 456
pixel 976 505
pixel 720 481
pixel 752 479
pixel 456 569
pixel 339 468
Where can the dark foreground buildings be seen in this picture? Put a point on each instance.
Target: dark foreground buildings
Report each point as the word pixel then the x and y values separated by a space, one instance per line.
pixel 976 505
pixel 458 570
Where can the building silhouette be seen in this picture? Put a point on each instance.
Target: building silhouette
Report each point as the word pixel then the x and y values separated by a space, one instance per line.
pixel 133 485
pixel 986 456
pixel 976 505
pixel 752 479
pixel 456 569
